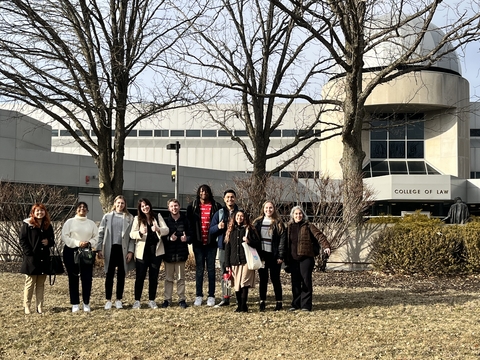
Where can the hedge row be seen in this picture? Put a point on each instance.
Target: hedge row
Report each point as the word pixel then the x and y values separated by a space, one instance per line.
pixel 419 245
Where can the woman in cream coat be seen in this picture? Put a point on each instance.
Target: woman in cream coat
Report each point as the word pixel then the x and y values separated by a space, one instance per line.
pixel 116 247
pixel 147 230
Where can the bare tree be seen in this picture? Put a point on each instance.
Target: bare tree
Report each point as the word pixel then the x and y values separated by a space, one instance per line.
pixel 95 67
pixel 16 201
pixel 249 53
pixel 351 31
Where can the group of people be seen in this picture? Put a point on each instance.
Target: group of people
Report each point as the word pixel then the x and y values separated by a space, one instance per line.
pixel 144 241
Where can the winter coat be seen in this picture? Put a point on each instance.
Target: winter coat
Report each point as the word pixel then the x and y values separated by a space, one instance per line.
pixel 105 240
pixel 279 236
pixel 193 216
pixel 307 234
pixel 176 251
pixel 234 252
pixel 36 256
pixel 216 233
pixel 141 239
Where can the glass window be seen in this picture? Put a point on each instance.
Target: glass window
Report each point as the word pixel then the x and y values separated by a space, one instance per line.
pixel 241 133
pixel 366 171
pixel 396 150
pixel 303 132
pixel 286 174
pixel 161 133
pixel 416 131
pixel 289 133
pixel 378 150
pixel 64 133
pixel 54 132
pixel 145 132
pixel 318 133
pixel 378 130
pixel 398 167
pixel 416 167
pixel 223 133
pixel 415 149
pixel 397 132
pixel 132 133
pixel 193 133
pixel 276 133
pixel 209 133
pixel 379 168
pixel 177 133
pixel 431 170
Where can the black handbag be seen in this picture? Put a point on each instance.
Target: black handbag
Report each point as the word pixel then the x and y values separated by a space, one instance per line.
pixel 84 256
pixel 56 265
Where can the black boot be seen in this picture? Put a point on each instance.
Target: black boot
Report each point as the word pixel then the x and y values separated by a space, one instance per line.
pixel 238 294
pixel 262 305
pixel 244 299
pixel 279 306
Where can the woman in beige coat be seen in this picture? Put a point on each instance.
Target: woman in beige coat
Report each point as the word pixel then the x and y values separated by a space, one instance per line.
pixel 147 230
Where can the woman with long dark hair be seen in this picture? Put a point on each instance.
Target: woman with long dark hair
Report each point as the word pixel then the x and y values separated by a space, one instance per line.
pixel 272 233
pixel 240 230
pixel 79 232
pixel 36 239
pixel 147 230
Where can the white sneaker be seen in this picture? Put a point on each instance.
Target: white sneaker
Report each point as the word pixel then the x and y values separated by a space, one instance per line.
pixel 136 305
pixel 211 301
pixel 86 307
pixel 108 305
pixel 198 301
pixel 118 304
pixel 75 308
pixel 152 304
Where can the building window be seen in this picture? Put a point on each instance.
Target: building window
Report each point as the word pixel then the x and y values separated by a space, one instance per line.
pixel 209 133
pixel 193 133
pixel 146 133
pixel 54 132
pixel 223 133
pixel 474 132
pixel 161 133
pixel 242 133
pixel 132 133
pixel 289 133
pixel 177 133
pixel 276 133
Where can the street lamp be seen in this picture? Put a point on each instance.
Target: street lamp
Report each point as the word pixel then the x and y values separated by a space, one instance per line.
pixel 175 147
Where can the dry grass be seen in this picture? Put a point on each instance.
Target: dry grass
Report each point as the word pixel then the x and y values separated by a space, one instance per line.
pixel 348 323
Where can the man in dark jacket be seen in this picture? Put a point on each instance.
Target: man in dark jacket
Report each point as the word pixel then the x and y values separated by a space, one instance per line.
pixel 199 214
pixel 176 253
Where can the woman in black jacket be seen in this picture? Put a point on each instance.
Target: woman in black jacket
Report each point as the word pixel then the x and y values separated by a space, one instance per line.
pixel 273 234
pixel 36 239
pixel 239 231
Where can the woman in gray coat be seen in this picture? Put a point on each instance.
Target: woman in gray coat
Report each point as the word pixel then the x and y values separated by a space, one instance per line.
pixel 116 247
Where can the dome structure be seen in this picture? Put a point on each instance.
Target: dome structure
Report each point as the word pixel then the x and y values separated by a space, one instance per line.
pixel 399 40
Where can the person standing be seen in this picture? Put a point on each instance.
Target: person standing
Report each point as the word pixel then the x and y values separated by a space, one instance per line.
pixel 199 215
pixel 116 247
pixel 149 249
pixel 273 234
pixel 301 235
pixel 176 253
pixel 36 239
pixel 218 228
pixel 79 232
pixel 239 231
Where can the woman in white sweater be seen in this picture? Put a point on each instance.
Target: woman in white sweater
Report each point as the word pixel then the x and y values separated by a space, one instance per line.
pixel 79 232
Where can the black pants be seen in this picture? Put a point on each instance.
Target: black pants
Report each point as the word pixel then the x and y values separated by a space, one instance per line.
pixel 75 273
pixel 151 263
pixel 270 264
pixel 116 261
pixel 302 286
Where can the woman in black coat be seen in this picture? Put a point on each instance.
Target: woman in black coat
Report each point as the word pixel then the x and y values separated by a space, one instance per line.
pixel 36 239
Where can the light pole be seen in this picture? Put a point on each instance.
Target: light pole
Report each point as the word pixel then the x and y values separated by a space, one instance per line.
pixel 175 147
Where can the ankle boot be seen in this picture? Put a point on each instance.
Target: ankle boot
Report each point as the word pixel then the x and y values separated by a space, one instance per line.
pixel 244 299
pixel 238 294
pixel 262 305
pixel 279 306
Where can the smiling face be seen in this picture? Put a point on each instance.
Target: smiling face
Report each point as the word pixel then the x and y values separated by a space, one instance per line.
pixel 39 213
pixel 229 200
pixel 173 207
pixel 145 207
pixel 119 205
pixel 82 210
pixel 268 209
pixel 297 215
pixel 239 218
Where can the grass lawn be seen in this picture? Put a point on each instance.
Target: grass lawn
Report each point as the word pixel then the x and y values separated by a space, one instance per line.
pixel 348 322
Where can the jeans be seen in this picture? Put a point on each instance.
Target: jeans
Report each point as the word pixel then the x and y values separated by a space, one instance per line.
pixel 151 263
pixel 205 255
pixel 75 274
pixel 272 265
pixel 116 260
pixel 302 286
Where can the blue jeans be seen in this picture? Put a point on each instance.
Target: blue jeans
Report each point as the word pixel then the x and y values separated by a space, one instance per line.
pixel 205 255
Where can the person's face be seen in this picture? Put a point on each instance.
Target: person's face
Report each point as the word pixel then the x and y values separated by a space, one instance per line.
pixel 297 215
pixel 268 209
pixel 39 213
pixel 119 205
pixel 174 208
pixel 145 207
pixel 229 200
pixel 239 217
pixel 82 210
pixel 204 195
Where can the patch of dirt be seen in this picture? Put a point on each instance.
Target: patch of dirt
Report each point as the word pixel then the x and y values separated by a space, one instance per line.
pixel 349 279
